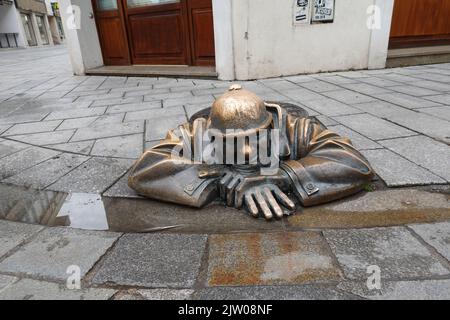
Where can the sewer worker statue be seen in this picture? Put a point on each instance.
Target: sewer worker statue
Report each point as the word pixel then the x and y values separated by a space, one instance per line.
pixel 252 155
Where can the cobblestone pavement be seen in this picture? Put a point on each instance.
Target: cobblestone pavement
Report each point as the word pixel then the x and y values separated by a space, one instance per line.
pixel 81 135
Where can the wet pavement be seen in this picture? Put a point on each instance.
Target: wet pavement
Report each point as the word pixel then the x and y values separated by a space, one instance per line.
pixel 67 143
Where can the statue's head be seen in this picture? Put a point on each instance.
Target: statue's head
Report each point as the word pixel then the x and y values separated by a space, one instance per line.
pixel 241 121
pixel 239 112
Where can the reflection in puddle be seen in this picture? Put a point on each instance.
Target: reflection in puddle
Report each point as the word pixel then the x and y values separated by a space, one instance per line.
pixel 84 211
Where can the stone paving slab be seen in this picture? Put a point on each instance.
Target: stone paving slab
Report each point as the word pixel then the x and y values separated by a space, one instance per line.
pixel 94 176
pixel 107 131
pixel 360 142
pixel 436 235
pixel 398 254
pixel 13 234
pixel 372 127
pixel 154 114
pixel 76 113
pixel 156 295
pixel 330 107
pixel 8 147
pixel 153 261
pixel 35 127
pixel 83 147
pixel 19 161
pixel 28 289
pixel 414 91
pixel 348 96
pixel 6 281
pixel 397 171
pixel 439 112
pixel 266 293
pixel 157 129
pixel 270 258
pixel 44 174
pixel 54 250
pixel 131 147
pixel 375 209
pixel 46 138
pixel 402 290
pixel 423 151
pixel 406 101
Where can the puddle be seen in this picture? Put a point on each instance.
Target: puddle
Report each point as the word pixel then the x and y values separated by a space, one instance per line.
pixel 94 212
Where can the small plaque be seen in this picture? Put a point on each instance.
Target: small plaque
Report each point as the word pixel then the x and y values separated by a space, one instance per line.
pixel 323 11
pixel 302 12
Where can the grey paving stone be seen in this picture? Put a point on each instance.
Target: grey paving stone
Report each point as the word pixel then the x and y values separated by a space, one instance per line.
pixel 326 121
pixel 19 161
pixel 76 113
pixel 360 142
pixel 54 250
pixel 168 103
pixel 330 107
pixel 98 97
pixel 120 147
pixel 437 235
pixel 6 281
pixel 405 100
pixel 4 127
pixel 76 123
pixel 414 91
pixel 115 101
pixel 192 109
pixel 154 113
pixel 402 290
pixel 94 176
pixel 28 289
pixel 23 118
pixel 107 131
pixel 121 189
pixel 32 127
pixel 266 293
pixel 302 95
pixel 380 82
pixel 46 138
pixel 423 151
pixel 156 129
pixel 348 96
pixel 432 85
pixel 336 79
pixel 8 147
pixel 373 127
pixel 131 107
pixel 444 98
pixel 83 147
pixel 398 254
pixel 397 171
pixel 153 260
pixel 13 234
pixel 318 86
pixel 439 112
pixel 167 95
pixel 156 295
pixel 44 174
pixel 365 88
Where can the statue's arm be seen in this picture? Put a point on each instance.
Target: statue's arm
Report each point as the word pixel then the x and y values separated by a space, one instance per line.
pixel 324 166
pixel 163 174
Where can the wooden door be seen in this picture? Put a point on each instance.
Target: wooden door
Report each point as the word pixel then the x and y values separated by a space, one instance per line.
pixel 111 31
pixel 420 23
pixel 201 26
pixel 158 31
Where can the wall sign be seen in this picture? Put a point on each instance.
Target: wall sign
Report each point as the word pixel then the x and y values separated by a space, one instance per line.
pixel 323 11
pixel 302 12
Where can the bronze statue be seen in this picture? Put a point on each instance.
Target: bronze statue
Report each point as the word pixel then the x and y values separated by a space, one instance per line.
pixel 251 154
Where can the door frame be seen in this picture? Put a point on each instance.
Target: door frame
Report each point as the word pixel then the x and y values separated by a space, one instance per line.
pixel 109 14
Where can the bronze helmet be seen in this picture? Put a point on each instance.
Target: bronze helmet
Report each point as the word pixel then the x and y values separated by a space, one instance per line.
pixel 239 109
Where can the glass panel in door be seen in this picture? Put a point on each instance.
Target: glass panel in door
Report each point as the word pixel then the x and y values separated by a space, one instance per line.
pixel 107 5
pixel 144 3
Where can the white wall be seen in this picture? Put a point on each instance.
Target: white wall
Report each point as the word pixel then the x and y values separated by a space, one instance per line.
pixel 10 23
pixel 83 42
pixel 266 43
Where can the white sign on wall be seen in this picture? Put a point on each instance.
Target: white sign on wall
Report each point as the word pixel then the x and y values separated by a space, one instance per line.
pixel 323 11
pixel 302 12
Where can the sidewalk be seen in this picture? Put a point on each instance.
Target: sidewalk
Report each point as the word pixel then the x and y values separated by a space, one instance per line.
pixel 82 134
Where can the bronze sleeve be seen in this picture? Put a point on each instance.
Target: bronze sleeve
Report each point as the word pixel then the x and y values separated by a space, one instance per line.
pixel 324 166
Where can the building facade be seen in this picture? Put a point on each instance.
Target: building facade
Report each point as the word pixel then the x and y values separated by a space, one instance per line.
pixel 253 39
pixel 29 23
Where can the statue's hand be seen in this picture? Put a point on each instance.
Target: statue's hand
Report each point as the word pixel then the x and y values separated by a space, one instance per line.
pixel 238 190
pixel 267 201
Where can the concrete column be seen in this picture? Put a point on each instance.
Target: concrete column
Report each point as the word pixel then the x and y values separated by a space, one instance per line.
pixel 82 41
pixel 48 30
pixel 37 35
pixel 379 41
pixel 223 34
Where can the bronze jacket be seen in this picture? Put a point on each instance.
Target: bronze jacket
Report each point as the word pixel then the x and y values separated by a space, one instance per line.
pixel 322 166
